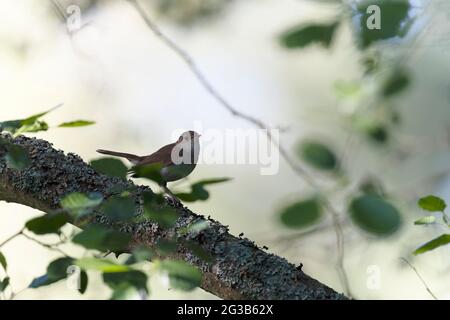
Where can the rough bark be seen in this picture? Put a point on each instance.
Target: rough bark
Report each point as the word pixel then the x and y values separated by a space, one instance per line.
pixel 240 269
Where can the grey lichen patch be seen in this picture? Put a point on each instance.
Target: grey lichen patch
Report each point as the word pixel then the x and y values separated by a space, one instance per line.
pixel 239 268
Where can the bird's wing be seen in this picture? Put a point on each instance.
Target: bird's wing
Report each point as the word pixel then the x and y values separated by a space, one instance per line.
pixel 163 156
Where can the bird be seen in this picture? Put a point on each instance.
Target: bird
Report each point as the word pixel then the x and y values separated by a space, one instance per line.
pixel 178 159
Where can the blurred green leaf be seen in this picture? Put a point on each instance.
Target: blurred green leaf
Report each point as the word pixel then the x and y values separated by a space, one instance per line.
pixel 140 254
pixel 301 214
pixel 432 203
pixel 433 244
pixel 57 269
pixel 40 282
pixel 32 127
pixel 378 133
pixel 182 275
pixel 156 210
pixel 3 262
pixel 76 123
pixel 393 14
pixel 151 172
pixel 198 191
pixel 30 124
pixel 10 125
pixel 110 167
pixel 124 292
pixel 165 217
pixel 196 227
pixel 84 280
pixel 102 265
pixel 80 204
pixel 48 223
pixel 97 237
pixel 121 281
pixel 305 35
pixel 198 251
pixel 372 186
pixel 119 208
pixel 347 89
pixel 373 214
pixel 396 83
pixel 318 155
pixel 16 157
pixel 166 247
pixel 4 284
pixel 425 220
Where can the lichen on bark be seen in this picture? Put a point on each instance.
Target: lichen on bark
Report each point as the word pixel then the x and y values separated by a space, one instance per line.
pixel 240 270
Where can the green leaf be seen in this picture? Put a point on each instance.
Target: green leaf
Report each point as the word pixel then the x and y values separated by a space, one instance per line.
pixel 97 237
pixel 125 280
pixel 373 214
pixel 10 125
pixel 157 211
pixel 393 15
pixel 32 127
pixel 346 89
pixel 49 223
pixel 16 157
pixel 433 244
pixel 396 83
pixel 40 282
pixel 4 284
pixel 166 247
pixel 140 254
pixel 181 274
pixel 372 186
pixel 198 251
pixel 301 214
pixel 378 133
pixel 426 220
pixel 30 124
pixel 305 35
pixel 84 280
pixel 80 204
pixel 196 227
pixel 76 123
pixel 119 208
pixel 198 191
pixel 102 265
pixel 432 203
pixel 32 119
pixel 3 262
pixel 110 167
pixel 123 292
pixel 57 269
pixel 318 155
pixel 151 172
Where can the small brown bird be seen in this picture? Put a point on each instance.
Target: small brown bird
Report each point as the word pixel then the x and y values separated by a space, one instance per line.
pixel 178 159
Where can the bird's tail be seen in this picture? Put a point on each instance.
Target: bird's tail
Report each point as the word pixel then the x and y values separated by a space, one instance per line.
pixel 130 157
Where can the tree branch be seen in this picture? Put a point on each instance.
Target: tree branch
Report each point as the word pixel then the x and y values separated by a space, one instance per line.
pixel 240 269
pixel 298 169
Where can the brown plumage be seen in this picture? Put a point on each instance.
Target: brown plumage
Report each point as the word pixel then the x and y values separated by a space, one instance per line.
pixel 164 156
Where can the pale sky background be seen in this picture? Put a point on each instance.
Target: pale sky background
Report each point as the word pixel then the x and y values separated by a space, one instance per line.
pixel 114 71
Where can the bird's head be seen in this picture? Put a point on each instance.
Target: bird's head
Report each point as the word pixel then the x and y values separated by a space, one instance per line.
pixel 189 136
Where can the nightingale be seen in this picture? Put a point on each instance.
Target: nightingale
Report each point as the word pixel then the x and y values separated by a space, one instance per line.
pixel 178 159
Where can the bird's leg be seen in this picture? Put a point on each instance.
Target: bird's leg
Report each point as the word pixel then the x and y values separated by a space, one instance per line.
pixel 170 194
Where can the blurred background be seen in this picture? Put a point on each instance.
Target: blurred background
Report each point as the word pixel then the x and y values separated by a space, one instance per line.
pixel 113 70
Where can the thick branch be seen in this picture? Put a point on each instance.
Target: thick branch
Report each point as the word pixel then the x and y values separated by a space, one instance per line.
pixel 240 269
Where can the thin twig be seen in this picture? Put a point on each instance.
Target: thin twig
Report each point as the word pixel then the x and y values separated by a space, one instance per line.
pixel 46 245
pixel 420 278
pixel 18 233
pixel 296 167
